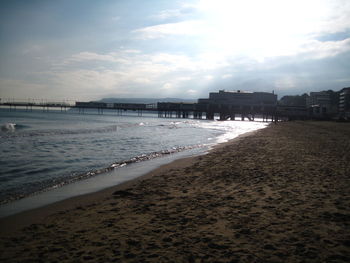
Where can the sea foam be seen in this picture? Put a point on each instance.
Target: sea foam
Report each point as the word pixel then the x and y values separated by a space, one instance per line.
pixel 8 127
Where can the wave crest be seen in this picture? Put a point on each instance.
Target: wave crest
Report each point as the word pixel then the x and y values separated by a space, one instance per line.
pixel 8 127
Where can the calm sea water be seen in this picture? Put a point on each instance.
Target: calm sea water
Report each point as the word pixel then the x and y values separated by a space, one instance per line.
pixel 44 150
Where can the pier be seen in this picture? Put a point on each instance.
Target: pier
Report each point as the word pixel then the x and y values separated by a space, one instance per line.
pixel 164 109
pixel 222 105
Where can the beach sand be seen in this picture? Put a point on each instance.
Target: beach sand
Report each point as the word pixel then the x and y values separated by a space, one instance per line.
pixel 281 194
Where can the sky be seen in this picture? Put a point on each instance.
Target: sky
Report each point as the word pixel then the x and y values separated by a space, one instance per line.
pixel 88 50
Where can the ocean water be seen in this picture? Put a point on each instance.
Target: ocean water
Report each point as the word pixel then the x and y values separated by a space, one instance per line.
pixel 40 151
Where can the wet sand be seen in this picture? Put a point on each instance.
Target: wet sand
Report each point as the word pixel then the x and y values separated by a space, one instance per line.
pixel 281 194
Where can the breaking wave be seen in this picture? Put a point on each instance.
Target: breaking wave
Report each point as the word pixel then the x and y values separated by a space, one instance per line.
pixel 8 127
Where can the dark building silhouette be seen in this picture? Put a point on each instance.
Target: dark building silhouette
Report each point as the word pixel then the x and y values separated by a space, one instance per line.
pixel 344 103
pixel 243 98
pixel 247 104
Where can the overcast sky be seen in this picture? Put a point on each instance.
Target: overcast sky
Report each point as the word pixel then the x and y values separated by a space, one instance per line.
pixel 87 50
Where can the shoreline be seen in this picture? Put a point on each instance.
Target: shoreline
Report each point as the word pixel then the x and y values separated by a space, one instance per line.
pixel 22 219
pixel 93 184
pixel 14 222
pixel 112 168
pixel 279 195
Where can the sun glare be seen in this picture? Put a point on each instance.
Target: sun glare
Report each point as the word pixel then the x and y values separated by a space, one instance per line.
pixel 261 28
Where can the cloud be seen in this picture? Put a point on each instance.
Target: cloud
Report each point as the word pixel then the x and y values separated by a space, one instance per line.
pixel 286 82
pixel 321 49
pixel 183 10
pixel 115 18
pixel 129 71
pixel 86 56
pixel 167 86
pixel 257 29
pixel 133 72
pixel 343 80
pixel 189 28
pixel 132 51
pixel 192 91
pixel 11 88
pixel 337 18
pixel 33 49
pixel 156 63
pixel 168 13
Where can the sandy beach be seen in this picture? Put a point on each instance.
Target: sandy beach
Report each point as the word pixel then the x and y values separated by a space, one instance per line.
pixel 281 194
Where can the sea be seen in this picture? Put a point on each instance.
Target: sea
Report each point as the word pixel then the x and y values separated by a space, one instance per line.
pixel 47 156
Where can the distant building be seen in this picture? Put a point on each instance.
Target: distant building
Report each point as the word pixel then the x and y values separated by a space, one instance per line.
pixel 321 98
pixel 344 102
pixel 90 104
pixel 319 104
pixel 176 106
pixel 293 107
pixel 296 100
pixel 246 104
pixel 226 104
pixel 241 99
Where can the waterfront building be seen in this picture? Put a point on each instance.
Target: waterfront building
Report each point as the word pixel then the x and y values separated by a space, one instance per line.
pixel 244 103
pixel 319 104
pixel 243 98
pixel 344 102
